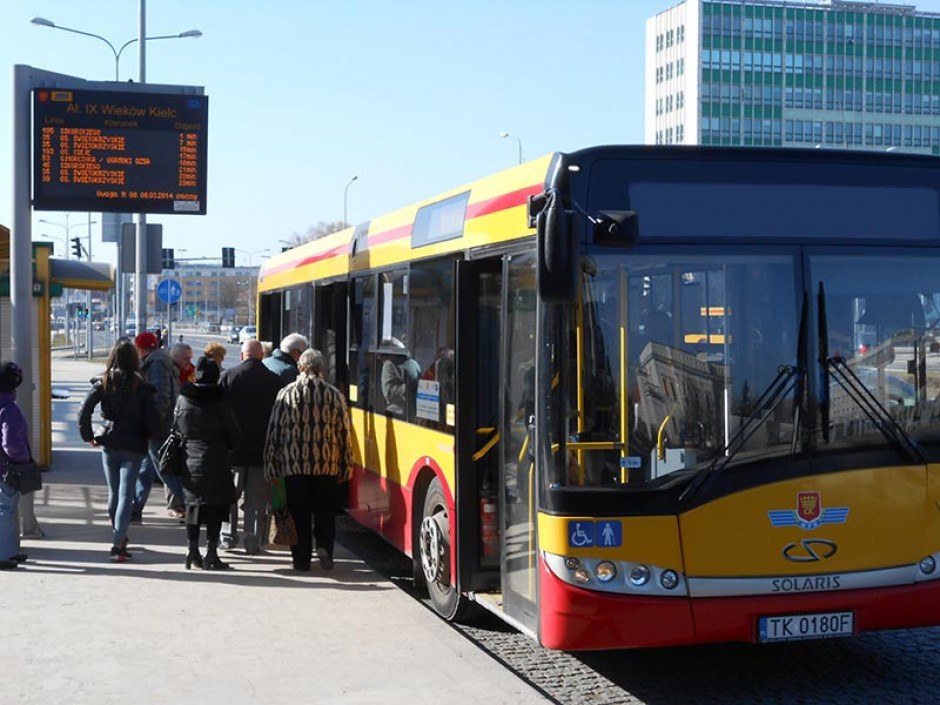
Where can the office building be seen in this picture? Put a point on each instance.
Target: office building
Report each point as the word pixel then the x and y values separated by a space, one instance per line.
pixel 833 74
pixel 211 295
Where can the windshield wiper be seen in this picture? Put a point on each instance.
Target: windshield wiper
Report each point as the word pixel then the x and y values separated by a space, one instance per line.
pixel 788 378
pixel 838 369
pixel 865 400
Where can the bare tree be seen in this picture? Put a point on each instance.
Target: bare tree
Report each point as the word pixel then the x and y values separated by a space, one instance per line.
pixel 315 232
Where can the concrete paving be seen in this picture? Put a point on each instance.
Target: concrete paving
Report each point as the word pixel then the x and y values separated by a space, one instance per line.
pixel 79 629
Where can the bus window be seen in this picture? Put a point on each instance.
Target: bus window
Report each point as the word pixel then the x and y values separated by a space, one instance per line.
pixel 362 326
pixel 703 339
pixel 394 367
pixel 431 327
pixel 295 313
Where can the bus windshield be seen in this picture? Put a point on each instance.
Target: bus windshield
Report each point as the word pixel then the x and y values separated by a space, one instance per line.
pixel 676 352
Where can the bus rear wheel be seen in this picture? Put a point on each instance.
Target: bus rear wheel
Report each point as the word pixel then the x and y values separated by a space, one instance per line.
pixel 436 552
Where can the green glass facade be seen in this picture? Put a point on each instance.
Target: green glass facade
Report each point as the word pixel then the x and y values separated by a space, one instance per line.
pixel 838 74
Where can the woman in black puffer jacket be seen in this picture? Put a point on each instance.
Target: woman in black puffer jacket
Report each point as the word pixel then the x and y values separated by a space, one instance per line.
pixel 205 419
pixel 131 419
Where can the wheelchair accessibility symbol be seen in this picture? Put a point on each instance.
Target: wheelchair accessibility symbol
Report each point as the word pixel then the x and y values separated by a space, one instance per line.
pixel 580 534
pixel 585 534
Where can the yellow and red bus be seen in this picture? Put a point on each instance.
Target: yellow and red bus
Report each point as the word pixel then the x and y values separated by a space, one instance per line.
pixel 619 396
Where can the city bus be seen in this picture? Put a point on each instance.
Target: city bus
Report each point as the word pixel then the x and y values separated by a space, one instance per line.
pixel 645 396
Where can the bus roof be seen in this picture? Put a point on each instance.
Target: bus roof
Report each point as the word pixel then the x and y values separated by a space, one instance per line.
pixel 387 239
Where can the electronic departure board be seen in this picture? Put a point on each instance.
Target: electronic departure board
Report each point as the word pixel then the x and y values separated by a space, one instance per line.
pixel 110 151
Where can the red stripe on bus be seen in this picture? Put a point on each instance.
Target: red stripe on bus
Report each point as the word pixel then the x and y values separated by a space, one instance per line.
pixel 389 235
pixel 500 203
pixel 487 207
pixel 311 259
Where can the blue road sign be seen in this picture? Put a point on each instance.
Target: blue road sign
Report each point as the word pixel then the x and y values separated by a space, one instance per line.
pixel 169 291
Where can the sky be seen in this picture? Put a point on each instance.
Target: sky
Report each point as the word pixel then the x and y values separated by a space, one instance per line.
pixel 410 96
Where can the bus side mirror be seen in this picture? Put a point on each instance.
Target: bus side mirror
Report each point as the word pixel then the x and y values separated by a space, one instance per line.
pixel 616 228
pixel 558 252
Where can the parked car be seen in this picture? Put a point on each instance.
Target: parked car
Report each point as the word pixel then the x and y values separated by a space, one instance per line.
pixel 233 334
pixel 247 333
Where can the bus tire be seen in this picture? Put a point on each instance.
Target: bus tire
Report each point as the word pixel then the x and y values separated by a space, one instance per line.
pixel 436 553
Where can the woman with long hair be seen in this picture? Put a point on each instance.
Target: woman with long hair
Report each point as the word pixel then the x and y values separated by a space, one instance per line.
pixel 206 421
pixel 130 420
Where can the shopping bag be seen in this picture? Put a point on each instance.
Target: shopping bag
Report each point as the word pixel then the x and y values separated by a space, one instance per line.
pixel 282 530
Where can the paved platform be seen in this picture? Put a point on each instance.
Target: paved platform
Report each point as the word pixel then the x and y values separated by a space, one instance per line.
pixel 79 629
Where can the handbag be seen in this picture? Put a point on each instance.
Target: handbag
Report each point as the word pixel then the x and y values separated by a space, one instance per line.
pixel 282 530
pixel 170 454
pixel 23 477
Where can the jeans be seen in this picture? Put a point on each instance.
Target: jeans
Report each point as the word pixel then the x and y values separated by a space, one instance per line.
pixel 9 531
pixel 250 484
pixel 121 468
pixel 148 473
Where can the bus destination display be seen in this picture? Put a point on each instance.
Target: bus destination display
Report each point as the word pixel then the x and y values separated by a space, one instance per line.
pixel 108 151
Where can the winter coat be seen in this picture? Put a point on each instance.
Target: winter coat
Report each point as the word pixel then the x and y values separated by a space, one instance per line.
pixel 283 365
pixel 309 431
pixel 159 370
pixel 14 431
pixel 252 389
pixel 131 416
pixel 205 419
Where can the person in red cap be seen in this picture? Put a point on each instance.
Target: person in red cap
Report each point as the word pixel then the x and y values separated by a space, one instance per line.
pixel 158 369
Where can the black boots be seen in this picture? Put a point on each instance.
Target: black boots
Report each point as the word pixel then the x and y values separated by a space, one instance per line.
pixel 212 561
pixel 194 557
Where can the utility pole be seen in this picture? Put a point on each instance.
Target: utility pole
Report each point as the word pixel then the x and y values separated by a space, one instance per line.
pixel 89 327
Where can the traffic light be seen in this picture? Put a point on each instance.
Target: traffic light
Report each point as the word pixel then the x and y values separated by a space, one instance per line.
pixel 77 247
pixel 228 257
pixel 169 262
pixel 81 311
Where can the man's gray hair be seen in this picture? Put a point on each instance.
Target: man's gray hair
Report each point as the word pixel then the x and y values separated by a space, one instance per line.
pixel 294 341
pixel 311 362
pixel 177 350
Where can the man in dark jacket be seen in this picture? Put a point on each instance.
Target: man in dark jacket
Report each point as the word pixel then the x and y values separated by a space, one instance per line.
pixel 252 389
pixel 158 369
pixel 283 361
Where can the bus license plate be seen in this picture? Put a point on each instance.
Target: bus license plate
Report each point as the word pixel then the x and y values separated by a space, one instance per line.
pixel 792 627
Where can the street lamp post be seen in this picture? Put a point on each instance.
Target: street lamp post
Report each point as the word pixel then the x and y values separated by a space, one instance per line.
pixel 345 195
pixel 43 22
pixel 141 259
pixel 504 135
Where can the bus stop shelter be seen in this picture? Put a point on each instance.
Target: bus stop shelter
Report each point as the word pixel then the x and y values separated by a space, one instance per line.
pixel 51 277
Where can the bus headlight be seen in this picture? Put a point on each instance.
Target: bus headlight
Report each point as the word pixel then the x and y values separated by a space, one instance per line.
pixel 928 565
pixel 639 574
pixel 582 576
pixel 669 579
pixel 605 571
pixel 572 563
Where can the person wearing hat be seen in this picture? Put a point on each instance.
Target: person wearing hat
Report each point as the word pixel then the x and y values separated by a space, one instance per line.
pixel 207 423
pixel 14 439
pixel 159 370
pixel 131 419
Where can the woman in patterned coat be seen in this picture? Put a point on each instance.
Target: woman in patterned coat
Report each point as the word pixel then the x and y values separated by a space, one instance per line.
pixel 309 445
